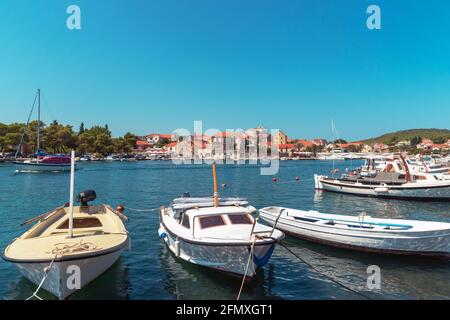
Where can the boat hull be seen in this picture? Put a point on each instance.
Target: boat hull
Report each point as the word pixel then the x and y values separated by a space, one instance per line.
pixel 60 277
pixel 40 167
pixel 425 193
pixel 432 244
pixel 231 259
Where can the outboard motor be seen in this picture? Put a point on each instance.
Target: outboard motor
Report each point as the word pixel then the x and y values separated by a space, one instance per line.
pixel 86 196
pixel 186 195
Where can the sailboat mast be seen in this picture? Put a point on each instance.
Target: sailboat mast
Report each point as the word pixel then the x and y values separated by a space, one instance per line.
pixel 39 122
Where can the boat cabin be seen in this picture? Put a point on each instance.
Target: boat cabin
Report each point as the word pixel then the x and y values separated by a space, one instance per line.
pixel 209 221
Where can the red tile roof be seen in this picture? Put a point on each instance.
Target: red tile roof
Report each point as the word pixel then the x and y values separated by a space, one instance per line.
pixel 164 136
pixel 172 144
pixel 285 146
pixel 142 143
pixel 305 143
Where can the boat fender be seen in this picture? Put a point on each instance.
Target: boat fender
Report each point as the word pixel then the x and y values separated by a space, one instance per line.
pixel 381 189
pixel 177 248
pixel 162 234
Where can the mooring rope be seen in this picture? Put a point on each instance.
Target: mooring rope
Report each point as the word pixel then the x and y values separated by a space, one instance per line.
pixel 142 210
pixel 323 274
pixel 46 272
pixel 250 256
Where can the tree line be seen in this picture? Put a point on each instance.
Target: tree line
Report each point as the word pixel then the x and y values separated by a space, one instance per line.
pixel 59 138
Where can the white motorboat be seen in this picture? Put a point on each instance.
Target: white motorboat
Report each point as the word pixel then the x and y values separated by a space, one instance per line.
pixel 219 233
pixel 395 181
pixel 69 246
pixel 362 232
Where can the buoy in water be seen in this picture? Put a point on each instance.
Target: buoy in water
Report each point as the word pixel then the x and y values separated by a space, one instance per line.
pixel 224 185
pixel 274 179
pixel 297 178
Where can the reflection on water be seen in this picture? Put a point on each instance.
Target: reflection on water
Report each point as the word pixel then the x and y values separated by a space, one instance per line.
pixel 188 281
pixel 149 271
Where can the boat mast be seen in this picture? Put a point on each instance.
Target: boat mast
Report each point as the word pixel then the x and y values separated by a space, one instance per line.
pixel 72 180
pixel 39 121
pixel 216 193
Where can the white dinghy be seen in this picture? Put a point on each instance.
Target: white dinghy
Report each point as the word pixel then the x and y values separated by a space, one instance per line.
pixel 69 246
pixel 218 233
pixel 362 232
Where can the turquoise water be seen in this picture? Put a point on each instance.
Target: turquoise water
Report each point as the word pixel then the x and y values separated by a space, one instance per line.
pixel 148 271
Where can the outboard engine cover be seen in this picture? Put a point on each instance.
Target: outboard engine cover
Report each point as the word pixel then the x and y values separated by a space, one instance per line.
pixel 86 196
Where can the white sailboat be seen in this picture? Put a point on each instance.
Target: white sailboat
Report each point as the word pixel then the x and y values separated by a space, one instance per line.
pixel 70 246
pixel 219 233
pixel 362 232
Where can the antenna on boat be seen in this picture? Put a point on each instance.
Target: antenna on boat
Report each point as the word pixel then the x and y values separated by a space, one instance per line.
pixel 39 121
pixel 408 173
pixel 72 180
pixel 216 193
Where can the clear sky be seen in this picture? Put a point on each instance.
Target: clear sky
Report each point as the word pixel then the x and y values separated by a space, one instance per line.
pixel 158 65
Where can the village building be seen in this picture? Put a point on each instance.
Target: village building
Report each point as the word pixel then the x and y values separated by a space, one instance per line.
pixel 280 138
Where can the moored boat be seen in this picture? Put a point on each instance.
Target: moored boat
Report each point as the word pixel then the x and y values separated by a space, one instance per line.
pixel 219 233
pixel 41 161
pixel 395 181
pixel 69 246
pixel 362 232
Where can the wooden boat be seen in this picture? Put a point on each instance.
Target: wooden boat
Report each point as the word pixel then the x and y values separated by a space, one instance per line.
pixel 362 232
pixel 70 246
pixel 395 181
pixel 219 233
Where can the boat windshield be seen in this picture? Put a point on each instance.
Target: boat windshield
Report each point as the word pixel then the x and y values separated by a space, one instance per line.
pixel 211 221
pixel 240 219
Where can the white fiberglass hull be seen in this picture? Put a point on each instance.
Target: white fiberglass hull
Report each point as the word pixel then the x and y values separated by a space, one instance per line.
pixel 231 259
pixel 40 167
pixel 432 191
pixel 432 242
pixel 59 281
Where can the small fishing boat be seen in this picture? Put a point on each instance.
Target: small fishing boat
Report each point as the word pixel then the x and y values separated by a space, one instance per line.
pixel 219 233
pixel 69 246
pixel 362 232
pixel 395 181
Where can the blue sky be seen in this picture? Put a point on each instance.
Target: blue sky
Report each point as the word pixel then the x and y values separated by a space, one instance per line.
pixel 158 65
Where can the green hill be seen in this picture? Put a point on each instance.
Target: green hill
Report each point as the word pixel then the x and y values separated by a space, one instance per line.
pixel 437 135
